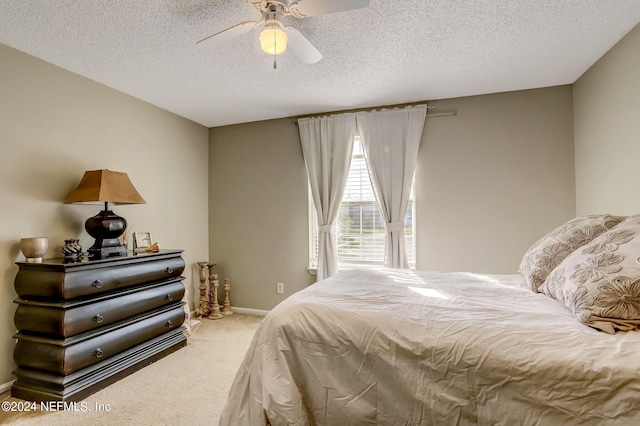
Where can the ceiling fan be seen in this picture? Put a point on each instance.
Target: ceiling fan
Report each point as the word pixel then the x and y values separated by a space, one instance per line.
pixel 275 37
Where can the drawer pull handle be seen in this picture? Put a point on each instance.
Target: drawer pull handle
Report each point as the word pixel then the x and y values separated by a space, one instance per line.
pixel 169 324
pixel 98 318
pixel 169 270
pixel 97 284
pixel 169 297
pixel 98 353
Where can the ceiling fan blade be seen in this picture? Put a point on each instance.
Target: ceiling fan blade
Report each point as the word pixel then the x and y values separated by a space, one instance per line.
pixel 305 8
pixel 303 47
pixel 224 36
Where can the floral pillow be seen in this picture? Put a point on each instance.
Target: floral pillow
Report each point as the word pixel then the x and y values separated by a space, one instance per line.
pixel 547 253
pixel 600 283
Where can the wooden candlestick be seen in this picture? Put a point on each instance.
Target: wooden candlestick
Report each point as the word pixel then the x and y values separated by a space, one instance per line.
pixel 227 303
pixel 213 295
pixel 204 310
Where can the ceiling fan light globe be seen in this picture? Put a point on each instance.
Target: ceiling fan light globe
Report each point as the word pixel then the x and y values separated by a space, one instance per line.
pixel 273 41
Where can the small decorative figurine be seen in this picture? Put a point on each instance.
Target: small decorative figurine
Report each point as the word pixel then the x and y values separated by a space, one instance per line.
pixel 227 303
pixel 204 309
pixel 72 250
pixel 153 248
pixel 213 294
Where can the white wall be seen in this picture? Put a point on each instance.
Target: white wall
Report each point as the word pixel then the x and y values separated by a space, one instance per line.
pixel 54 125
pixel 607 131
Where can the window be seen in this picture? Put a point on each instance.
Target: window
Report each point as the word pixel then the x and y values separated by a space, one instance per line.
pixel 360 228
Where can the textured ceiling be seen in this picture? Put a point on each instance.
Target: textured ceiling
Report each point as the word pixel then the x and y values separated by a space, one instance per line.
pixel 391 52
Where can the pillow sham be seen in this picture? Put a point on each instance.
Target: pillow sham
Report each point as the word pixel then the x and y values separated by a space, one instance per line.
pixel 600 282
pixel 547 253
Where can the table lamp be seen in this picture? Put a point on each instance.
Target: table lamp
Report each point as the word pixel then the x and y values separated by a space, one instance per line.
pixel 105 186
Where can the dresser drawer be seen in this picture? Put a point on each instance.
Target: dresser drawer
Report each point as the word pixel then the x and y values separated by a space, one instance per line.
pixel 65 319
pixel 37 385
pixel 75 280
pixel 69 355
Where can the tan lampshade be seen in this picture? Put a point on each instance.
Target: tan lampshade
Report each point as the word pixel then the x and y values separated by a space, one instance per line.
pixel 100 186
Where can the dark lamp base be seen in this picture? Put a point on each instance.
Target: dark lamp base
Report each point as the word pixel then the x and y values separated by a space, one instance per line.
pixel 106 227
pixel 103 252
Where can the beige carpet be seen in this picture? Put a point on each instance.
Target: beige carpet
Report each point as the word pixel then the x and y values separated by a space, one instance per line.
pixel 188 387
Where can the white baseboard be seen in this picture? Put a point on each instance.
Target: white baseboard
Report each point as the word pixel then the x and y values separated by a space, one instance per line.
pixel 6 386
pixel 249 311
pixel 246 311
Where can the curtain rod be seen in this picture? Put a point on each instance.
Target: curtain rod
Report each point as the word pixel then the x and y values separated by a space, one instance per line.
pixel 435 114
pixel 441 114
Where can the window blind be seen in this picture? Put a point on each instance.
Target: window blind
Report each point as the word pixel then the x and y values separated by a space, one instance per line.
pixel 360 228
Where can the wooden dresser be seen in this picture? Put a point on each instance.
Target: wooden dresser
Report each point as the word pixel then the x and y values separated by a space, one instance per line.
pixel 84 325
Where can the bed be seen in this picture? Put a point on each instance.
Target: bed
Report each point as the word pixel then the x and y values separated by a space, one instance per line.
pixel 404 347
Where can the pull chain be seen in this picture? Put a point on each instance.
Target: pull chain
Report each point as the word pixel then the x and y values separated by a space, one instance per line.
pixel 275 48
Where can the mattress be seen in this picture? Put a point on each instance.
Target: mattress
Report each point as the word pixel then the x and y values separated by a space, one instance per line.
pixel 401 347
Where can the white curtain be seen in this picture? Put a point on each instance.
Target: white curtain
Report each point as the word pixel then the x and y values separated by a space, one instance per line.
pixel 391 139
pixel 327 144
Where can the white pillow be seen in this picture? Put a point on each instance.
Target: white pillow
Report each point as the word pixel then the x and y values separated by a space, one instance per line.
pixel 547 253
pixel 600 283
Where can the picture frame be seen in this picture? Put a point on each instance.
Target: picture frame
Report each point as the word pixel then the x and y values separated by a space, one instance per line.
pixel 142 240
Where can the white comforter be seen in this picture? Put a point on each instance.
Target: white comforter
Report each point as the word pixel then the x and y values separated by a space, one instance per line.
pixel 397 347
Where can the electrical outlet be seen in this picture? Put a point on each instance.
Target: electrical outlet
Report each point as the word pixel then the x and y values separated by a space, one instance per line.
pixel 280 288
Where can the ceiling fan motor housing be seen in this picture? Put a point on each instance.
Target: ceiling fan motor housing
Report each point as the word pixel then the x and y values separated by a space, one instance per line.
pixel 272 17
pixel 266 4
pixel 273 40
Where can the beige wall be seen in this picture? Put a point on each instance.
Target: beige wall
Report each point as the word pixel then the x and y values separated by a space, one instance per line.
pixel 493 179
pixel 607 131
pixel 258 211
pixel 489 182
pixel 54 125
